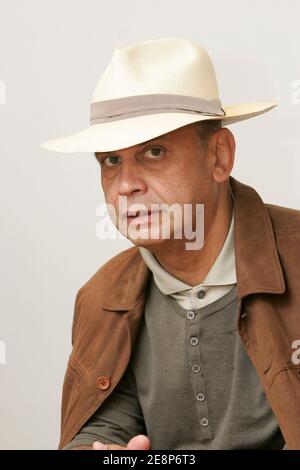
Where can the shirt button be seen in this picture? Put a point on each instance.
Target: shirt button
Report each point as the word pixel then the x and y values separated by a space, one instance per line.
pixel 103 383
pixel 200 397
pixel 194 341
pixel 196 368
pixel 204 422
pixel 190 315
pixel 201 294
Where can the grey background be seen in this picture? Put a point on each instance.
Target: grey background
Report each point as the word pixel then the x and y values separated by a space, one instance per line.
pixel 52 53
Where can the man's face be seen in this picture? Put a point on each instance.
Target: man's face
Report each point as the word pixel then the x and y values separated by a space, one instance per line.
pixel 170 169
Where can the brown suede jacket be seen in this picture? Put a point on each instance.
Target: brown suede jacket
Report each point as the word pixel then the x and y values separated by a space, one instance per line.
pixel 109 308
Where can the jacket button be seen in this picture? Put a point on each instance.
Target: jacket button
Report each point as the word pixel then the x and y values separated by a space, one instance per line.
pixel 103 383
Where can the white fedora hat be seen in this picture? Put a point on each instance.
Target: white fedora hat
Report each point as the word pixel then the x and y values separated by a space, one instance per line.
pixel 151 88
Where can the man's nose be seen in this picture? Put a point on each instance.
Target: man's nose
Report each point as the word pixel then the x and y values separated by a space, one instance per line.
pixel 130 180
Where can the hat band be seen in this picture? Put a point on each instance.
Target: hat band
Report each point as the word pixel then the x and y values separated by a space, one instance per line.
pixel 141 105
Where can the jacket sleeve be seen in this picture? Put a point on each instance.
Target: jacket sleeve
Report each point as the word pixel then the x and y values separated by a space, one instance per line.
pixel 118 420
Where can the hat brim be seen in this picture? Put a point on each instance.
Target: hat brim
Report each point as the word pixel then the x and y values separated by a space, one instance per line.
pixel 125 133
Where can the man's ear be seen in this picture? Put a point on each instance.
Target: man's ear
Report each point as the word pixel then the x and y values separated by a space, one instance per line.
pixel 222 145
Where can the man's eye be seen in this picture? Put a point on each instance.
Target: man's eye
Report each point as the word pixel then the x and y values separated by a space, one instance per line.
pixel 154 152
pixel 109 161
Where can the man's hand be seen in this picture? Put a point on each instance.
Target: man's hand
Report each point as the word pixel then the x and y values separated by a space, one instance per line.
pixel 139 442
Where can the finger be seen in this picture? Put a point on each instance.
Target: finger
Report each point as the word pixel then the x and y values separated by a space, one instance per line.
pixel 116 447
pixel 139 442
pixel 99 446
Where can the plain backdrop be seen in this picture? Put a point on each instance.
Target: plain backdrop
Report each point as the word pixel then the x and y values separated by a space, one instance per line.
pixel 52 53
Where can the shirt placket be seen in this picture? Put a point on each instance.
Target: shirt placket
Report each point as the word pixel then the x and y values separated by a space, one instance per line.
pixel 197 373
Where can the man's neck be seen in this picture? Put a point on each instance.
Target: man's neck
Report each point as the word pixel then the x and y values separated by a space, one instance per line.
pixel 192 266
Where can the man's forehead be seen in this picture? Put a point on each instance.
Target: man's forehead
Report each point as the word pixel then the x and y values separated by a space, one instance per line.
pixel 165 137
pixel 160 137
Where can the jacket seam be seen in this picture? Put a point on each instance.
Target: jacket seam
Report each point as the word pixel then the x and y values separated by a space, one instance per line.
pixel 287 232
pixel 281 369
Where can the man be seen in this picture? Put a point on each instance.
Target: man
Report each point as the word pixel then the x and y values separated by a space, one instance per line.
pixel 178 346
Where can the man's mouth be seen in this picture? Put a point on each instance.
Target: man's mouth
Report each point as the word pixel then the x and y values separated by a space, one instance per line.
pixel 140 214
pixel 137 213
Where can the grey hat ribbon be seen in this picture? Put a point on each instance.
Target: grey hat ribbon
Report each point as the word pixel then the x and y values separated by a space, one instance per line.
pixel 141 105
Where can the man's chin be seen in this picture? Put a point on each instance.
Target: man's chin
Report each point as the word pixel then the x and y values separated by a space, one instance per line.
pixel 146 236
pixel 144 239
pixel 148 242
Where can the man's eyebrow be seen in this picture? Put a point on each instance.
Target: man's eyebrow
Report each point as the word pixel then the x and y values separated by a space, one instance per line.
pixel 160 137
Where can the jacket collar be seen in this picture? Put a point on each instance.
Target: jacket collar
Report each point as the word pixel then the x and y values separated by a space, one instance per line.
pixel 258 268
